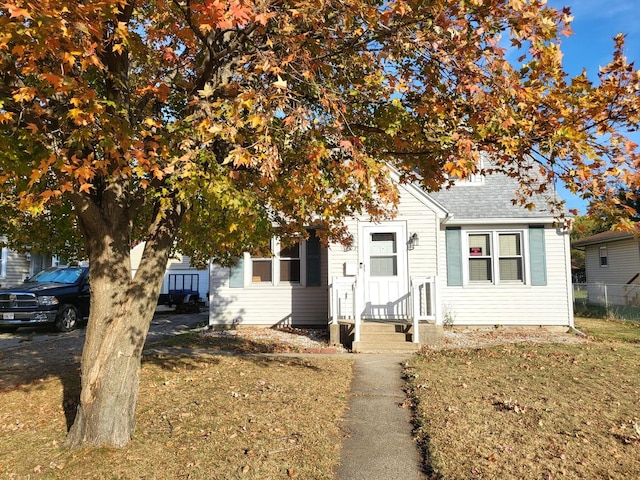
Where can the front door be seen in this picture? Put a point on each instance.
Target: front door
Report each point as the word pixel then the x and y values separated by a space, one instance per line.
pixel 384 261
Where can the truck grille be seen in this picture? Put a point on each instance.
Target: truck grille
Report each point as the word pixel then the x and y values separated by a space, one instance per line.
pixel 17 300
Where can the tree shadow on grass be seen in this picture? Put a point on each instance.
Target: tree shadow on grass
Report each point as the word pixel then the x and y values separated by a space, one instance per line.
pixel 173 352
pixel 230 342
pixel 28 367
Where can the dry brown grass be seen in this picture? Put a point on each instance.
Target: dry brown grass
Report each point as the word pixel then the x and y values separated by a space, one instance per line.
pixel 200 417
pixel 529 411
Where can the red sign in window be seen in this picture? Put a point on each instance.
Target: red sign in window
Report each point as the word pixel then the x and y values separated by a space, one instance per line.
pixel 475 251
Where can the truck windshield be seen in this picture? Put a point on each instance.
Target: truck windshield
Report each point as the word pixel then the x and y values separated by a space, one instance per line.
pixel 58 275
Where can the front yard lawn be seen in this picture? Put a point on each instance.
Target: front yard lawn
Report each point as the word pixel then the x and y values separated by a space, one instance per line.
pixel 199 417
pixel 532 411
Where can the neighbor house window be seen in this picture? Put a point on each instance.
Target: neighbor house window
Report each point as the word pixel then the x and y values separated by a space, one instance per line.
pixel 503 263
pixel 604 258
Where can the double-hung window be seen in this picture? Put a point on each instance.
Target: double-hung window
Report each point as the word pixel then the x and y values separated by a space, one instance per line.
pixel 262 266
pixel 289 263
pixel 495 257
pixel 510 257
pixel 604 256
pixel 480 260
pixel 277 263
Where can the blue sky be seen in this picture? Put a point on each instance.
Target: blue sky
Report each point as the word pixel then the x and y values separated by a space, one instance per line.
pixel 595 23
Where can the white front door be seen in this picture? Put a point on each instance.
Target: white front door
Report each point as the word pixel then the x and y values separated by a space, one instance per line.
pixel 384 261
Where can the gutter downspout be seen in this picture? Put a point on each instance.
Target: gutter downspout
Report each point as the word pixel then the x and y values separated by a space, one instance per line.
pixel 567 256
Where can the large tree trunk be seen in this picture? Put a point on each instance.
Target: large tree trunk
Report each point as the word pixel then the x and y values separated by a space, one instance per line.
pixel 121 312
pixel 116 333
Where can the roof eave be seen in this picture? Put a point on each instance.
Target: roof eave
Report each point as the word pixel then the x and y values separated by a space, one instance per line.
pixel 451 220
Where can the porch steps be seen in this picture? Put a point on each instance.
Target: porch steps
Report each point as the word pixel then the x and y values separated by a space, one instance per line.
pixel 378 337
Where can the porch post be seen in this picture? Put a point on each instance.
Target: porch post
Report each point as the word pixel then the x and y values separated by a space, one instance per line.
pixel 435 301
pixel 334 301
pixel 356 310
pixel 415 309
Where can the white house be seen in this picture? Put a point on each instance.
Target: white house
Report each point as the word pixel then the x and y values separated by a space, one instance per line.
pixel 462 256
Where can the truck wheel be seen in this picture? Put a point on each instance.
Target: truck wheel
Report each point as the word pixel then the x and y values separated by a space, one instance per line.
pixel 67 318
pixel 193 305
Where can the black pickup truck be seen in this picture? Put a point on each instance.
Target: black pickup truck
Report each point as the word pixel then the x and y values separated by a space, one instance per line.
pixel 56 296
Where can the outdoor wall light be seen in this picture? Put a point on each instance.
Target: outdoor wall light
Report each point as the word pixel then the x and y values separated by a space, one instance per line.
pixel 414 241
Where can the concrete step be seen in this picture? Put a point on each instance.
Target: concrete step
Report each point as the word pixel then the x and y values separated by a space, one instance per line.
pixel 384 347
pixel 367 336
pixel 384 327
pixel 378 337
pixel 386 336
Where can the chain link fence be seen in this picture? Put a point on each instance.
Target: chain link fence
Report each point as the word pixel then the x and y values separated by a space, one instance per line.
pixel 619 301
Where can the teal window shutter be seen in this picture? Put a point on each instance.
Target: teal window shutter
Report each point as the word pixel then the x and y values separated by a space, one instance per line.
pixel 537 255
pixel 236 275
pixel 454 256
pixel 313 260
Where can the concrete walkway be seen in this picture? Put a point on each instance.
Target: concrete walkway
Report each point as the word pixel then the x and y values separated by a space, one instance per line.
pixel 377 442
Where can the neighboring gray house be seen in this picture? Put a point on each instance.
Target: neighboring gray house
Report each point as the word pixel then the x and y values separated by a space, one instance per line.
pixel 15 267
pixel 465 256
pixel 610 257
pixel 613 259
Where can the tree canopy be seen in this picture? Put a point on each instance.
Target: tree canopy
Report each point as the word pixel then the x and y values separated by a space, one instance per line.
pixel 213 125
pixel 230 107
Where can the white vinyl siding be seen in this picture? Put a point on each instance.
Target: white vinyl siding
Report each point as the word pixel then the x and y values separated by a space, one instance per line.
pixel 509 302
pixel 510 298
pixel 422 259
pixel 3 262
pixel 17 268
pixel 285 300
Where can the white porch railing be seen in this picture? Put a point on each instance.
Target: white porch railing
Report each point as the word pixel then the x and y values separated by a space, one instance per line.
pixel 347 298
pixel 422 296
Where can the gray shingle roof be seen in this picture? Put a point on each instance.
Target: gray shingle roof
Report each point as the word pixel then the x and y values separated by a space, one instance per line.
pixel 492 198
